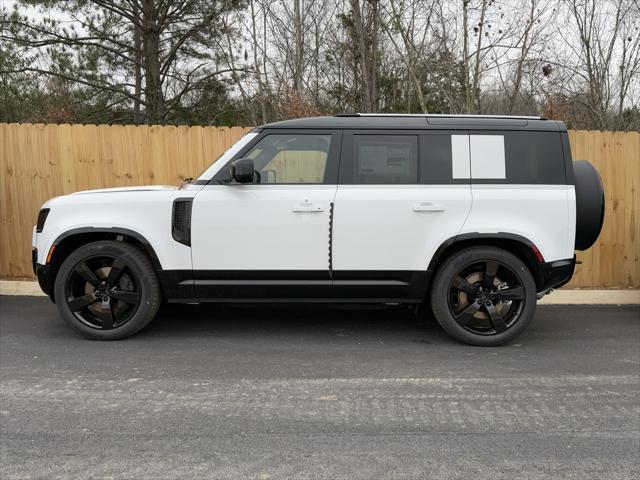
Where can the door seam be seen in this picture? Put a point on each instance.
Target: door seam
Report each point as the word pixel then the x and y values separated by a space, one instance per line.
pixel 331 240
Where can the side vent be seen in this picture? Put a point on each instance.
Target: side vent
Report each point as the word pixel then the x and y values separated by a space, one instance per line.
pixel 181 220
pixel 42 217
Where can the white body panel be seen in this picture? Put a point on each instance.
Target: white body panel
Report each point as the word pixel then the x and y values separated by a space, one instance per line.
pixel 543 214
pixel 261 227
pixel 384 227
pixel 395 227
pixel 144 210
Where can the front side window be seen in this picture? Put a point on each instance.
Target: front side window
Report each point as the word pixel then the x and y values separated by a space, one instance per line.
pixel 291 158
pixel 385 159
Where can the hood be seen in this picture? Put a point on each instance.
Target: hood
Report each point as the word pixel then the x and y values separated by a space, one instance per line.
pixel 129 189
pixel 118 196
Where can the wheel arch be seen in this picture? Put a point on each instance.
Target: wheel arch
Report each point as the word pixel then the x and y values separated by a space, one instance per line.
pixel 70 240
pixel 518 245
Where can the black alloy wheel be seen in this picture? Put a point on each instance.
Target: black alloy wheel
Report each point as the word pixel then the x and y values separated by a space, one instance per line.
pixel 486 297
pixel 103 293
pixel 483 296
pixel 107 290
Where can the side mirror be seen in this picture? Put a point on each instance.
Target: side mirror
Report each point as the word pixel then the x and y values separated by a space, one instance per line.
pixel 242 170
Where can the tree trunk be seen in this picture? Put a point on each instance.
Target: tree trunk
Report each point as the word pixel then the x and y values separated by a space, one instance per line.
pixel 524 52
pixel 373 62
pixel 363 58
pixel 465 56
pixel 153 81
pixel 258 75
pixel 137 46
pixel 475 87
pixel 298 53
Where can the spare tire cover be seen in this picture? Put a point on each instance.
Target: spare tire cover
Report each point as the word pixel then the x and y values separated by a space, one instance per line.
pixel 589 204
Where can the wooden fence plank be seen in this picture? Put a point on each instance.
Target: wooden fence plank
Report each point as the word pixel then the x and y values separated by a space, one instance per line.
pixel 39 161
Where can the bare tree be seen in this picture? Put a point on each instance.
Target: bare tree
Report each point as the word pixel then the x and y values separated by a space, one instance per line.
pixel 536 21
pixel 411 21
pixel 164 45
pixel 603 63
pixel 364 34
pixel 254 61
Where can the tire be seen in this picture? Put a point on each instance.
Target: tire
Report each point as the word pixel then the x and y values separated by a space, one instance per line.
pixel 475 314
pixel 590 204
pixel 107 290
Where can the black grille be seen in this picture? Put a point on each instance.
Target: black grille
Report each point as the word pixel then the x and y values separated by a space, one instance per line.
pixel 42 217
pixel 181 220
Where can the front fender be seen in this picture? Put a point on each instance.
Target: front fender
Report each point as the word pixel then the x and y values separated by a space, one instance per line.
pixel 145 216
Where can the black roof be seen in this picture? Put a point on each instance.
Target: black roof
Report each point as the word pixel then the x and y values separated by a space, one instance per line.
pixel 436 122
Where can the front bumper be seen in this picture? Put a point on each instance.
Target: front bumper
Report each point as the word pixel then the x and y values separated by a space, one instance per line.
pixel 556 274
pixel 43 272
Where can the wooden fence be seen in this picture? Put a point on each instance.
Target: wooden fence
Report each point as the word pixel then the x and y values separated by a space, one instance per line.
pixel 41 161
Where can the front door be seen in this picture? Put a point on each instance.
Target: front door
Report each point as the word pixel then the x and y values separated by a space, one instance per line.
pixel 269 239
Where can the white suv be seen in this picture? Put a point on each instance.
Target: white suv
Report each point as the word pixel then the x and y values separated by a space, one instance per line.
pixel 474 216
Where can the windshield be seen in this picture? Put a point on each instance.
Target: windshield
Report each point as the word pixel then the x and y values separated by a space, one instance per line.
pixel 226 156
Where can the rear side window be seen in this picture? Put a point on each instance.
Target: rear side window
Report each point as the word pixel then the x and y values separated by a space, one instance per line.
pixel 437 161
pixel 454 157
pixel 534 157
pixel 382 160
pixel 517 158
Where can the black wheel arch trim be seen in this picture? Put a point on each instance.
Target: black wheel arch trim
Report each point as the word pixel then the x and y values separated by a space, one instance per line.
pixel 543 272
pixel 116 231
pixel 465 237
pixel 47 273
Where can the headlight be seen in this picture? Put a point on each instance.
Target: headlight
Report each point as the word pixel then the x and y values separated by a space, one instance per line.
pixel 42 217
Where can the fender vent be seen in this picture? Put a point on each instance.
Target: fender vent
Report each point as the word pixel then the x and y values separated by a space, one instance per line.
pixel 181 220
pixel 42 217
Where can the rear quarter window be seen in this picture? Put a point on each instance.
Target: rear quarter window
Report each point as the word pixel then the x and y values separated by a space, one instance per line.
pixel 530 158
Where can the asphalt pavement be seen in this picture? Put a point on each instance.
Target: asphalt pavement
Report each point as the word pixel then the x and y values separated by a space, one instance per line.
pixel 318 392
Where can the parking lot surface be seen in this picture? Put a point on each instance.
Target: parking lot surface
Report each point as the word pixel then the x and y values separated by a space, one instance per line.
pixel 318 392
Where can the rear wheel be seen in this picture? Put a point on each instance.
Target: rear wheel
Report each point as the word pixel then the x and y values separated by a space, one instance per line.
pixel 483 296
pixel 107 290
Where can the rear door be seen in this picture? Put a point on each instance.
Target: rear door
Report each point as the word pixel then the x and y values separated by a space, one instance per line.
pixel 400 195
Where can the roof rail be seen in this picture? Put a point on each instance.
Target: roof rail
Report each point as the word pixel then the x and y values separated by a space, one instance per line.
pixel 436 115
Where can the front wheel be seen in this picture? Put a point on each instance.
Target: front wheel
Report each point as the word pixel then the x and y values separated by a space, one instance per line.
pixel 483 296
pixel 107 290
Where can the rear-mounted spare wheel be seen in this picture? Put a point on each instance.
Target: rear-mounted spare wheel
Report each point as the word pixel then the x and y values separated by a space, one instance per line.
pixel 589 204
